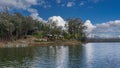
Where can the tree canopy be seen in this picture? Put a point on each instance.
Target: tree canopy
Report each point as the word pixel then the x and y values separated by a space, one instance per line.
pixel 16 26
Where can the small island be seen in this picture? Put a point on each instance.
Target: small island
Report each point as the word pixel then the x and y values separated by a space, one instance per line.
pixel 18 29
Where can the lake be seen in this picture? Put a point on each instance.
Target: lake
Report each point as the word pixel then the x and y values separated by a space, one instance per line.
pixel 90 55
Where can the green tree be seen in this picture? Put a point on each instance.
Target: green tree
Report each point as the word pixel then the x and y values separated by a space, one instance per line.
pixel 76 28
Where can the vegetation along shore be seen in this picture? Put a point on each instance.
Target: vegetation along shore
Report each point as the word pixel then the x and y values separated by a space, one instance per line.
pixel 16 28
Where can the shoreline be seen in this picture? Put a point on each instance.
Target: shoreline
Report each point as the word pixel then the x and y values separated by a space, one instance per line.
pixel 32 43
pixel 56 43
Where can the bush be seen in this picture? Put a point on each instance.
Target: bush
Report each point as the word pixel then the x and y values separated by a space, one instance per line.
pixel 38 35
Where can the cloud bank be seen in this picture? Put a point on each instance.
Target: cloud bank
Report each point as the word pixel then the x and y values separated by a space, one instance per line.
pixel 58 20
pixel 23 5
pixel 107 29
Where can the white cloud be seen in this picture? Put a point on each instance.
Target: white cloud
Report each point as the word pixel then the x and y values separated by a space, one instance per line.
pixel 19 4
pixel 23 5
pixel 33 2
pixel 70 4
pixel 109 26
pixel 35 16
pixel 82 3
pixel 89 26
pixel 58 1
pixel 58 20
pixel 107 29
pixel 32 10
pixel 44 3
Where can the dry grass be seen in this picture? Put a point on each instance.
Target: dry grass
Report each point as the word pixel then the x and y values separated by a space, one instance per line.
pixel 56 43
pixel 30 42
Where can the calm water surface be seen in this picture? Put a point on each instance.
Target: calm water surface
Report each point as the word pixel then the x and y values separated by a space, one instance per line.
pixel 91 55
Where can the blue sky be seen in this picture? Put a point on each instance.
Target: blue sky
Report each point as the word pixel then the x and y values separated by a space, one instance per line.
pixel 97 12
pixel 100 14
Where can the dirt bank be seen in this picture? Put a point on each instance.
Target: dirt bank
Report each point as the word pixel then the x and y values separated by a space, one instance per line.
pixel 56 43
pixel 31 42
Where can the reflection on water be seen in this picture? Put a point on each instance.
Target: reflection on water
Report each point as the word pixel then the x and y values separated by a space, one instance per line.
pixel 102 55
pixel 88 54
pixel 91 55
pixel 62 57
pixel 15 57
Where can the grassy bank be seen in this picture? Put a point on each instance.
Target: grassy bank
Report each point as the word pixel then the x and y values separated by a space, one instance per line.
pixel 30 42
pixel 56 43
